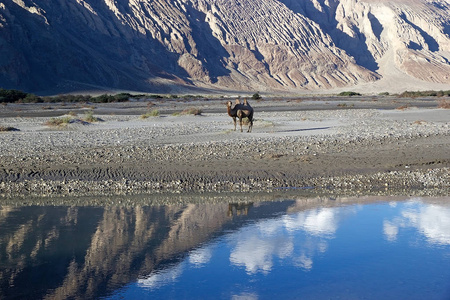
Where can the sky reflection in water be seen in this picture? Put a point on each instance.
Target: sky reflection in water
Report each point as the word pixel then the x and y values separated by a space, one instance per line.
pixel 396 250
pixel 301 249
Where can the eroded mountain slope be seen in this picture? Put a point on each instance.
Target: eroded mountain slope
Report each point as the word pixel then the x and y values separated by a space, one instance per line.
pixel 278 45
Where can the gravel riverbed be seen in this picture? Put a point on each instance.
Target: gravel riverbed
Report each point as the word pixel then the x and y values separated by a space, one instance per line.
pixel 337 151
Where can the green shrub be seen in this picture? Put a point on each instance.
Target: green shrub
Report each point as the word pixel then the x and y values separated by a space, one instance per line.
pixel 189 97
pixel 122 97
pixel 68 98
pixel 256 96
pixel 105 98
pixel 410 94
pixel 9 96
pixel 349 94
pixel 155 96
pixel 102 98
pixel 31 98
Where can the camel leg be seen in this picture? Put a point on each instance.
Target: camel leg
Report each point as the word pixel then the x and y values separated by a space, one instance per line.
pixel 250 125
pixel 234 120
pixel 239 114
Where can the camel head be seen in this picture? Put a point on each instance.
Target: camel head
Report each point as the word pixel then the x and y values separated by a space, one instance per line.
pixel 229 103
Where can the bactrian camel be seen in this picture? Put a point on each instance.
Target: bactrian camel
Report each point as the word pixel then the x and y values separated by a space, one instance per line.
pixel 241 111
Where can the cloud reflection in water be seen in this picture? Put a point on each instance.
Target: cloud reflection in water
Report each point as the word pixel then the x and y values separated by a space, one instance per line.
pixel 431 220
pixel 258 245
pixel 161 278
pixel 197 258
pixel 200 257
pixel 317 222
pixel 339 248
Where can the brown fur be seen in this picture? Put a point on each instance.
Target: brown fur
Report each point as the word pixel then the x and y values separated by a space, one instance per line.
pixel 241 111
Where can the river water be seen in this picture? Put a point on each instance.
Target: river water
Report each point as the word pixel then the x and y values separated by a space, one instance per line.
pixel 291 248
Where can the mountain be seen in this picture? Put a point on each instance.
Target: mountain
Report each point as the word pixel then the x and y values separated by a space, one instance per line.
pixel 165 46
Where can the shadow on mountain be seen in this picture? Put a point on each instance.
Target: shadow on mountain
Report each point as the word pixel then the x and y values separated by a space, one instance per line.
pixel 210 51
pixel 326 19
pixel 71 49
pixel 433 45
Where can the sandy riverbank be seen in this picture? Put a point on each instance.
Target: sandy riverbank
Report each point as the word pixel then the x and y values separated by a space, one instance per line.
pixel 338 150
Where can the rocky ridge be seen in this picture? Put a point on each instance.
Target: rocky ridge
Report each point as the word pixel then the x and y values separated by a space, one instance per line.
pixel 274 45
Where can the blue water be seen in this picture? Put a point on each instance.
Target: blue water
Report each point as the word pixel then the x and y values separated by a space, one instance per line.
pixel 275 250
pixel 375 251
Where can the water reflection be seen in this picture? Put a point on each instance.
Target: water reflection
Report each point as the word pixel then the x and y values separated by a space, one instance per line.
pixel 310 247
pixel 433 221
pixel 162 277
pixel 259 244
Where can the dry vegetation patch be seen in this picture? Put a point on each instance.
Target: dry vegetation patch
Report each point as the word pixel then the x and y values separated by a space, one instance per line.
pixel 405 107
pixel 66 120
pixel 89 117
pixel 189 111
pixel 152 113
pixel 343 105
pixel 444 103
pixel 192 111
pixel 56 122
pixel 420 122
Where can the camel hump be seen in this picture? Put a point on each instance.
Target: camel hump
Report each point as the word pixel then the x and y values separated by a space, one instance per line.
pixel 243 106
pixel 237 101
pixel 247 105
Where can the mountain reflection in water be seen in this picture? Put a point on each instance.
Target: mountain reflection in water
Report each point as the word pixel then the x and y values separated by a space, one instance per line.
pixel 307 249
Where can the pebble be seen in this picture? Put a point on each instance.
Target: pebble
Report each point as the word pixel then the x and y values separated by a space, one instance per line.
pixel 172 142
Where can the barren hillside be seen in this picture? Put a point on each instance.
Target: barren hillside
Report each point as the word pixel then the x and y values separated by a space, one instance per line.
pixel 265 45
